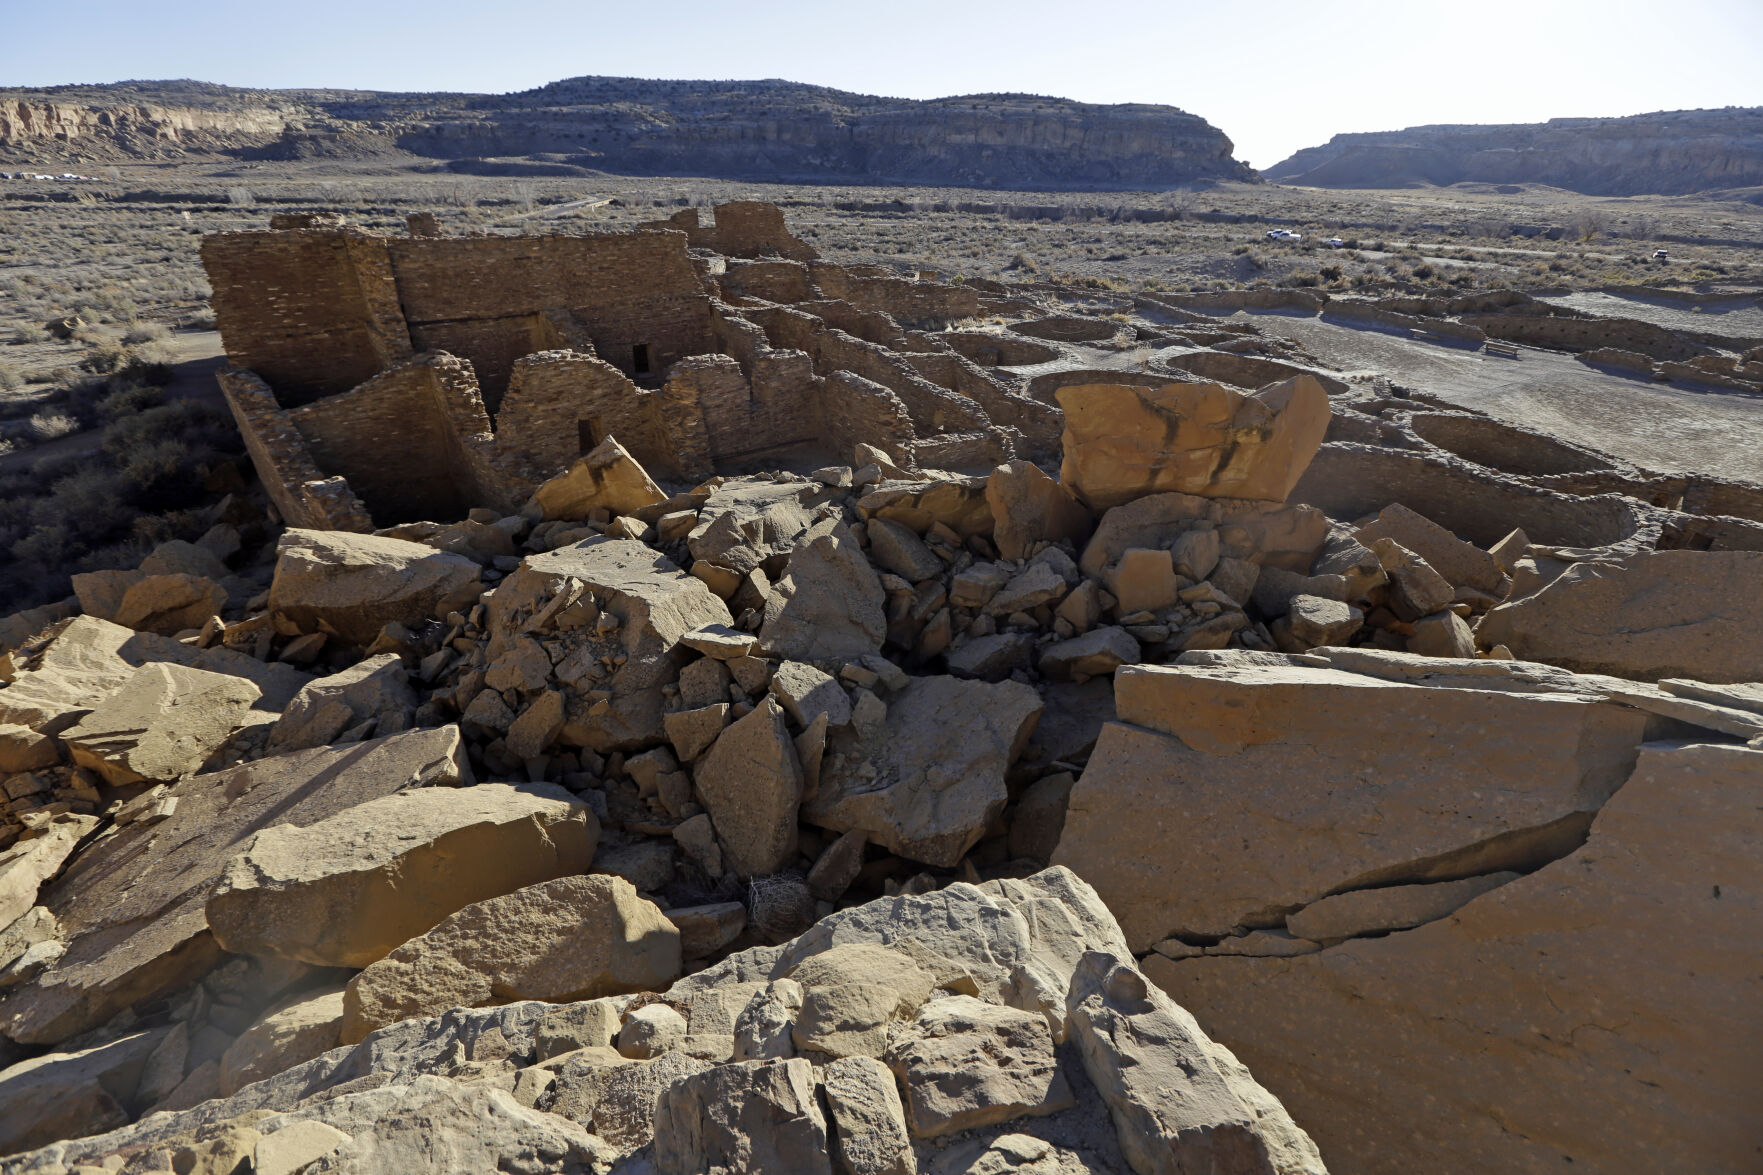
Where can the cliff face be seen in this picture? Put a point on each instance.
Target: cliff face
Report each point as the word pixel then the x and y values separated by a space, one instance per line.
pixel 59 128
pixel 1668 153
pixel 767 130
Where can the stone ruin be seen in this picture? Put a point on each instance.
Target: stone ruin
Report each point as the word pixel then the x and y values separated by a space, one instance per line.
pixel 380 380
pixel 887 815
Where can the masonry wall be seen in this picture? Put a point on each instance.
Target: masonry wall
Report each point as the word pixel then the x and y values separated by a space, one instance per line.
pixel 1580 334
pixel 560 404
pixel 1040 424
pixel 301 492
pixel 775 281
pixel 741 425
pixel 912 302
pixel 314 312
pixel 627 290
pixel 933 409
pixel 855 410
pixel 389 439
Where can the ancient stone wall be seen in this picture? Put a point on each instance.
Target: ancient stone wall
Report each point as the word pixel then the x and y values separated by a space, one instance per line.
pixel 560 404
pixel 1350 481
pixel 1040 424
pixel 915 302
pixel 389 438
pixel 934 409
pixel 861 410
pixel 743 228
pixel 872 326
pixel 1501 446
pixel 1248 372
pixel 314 312
pixel 302 494
pixel 965 451
pixel 635 295
pixel 1365 314
pixel 1580 334
pixel 739 424
pixel 775 281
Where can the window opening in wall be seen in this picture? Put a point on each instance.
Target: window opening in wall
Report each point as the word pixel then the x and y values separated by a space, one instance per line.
pixel 587 435
pixel 640 359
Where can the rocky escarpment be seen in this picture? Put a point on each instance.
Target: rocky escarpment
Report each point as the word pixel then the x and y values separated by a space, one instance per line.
pixel 765 130
pixel 1669 152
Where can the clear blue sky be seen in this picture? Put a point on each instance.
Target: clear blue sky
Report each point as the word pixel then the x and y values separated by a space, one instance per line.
pixel 1275 76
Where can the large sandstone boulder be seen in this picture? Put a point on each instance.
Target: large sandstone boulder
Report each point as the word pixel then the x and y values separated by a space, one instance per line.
pixel 1004 955
pixel 1593 1015
pixel 748 522
pixel 1029 507
pixel 131 906
pixel 592 603
pixel 375 689
pixel 575 938
pixel 1374 782
pixel 298 1029
pixel 1652 615
pixel 34 859
pixel 1265 533
pixel 346 890
pixel 61 1095
pixel 607 478
pixel 931 781
pixel 751 783
pixel 750 1116
pixel 1124 441
pixel 828 607
pixel 1180 1102
pixel 164 722
pixel 963 1063
pixel 75 664
pixel 356 584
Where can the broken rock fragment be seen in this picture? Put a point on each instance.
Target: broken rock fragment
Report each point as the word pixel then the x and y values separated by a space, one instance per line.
pixel 1205 744
pixel 574 938
pixel 1179 1101
pixel 964 1063
pixel 163 722
pixel 1031 508
pixel 932 780
pixel 1124 441
pixel 131 906
pixel 606 478
pixel 1650 615
pixel 356 584
pixel 828 607
pixel 751 784
pixel 345 891
pixel 1625 931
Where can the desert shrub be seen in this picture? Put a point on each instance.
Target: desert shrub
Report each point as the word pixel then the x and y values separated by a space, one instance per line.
pixel 1303 279
pixel 107 355
pixel 1330 273
pixel 126 398
pixel 145 332
pixel 9 379
pixel 31 332
pixel 1423 271
pixel 49 426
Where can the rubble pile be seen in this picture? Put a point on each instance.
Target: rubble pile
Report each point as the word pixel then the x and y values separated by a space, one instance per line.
pixel 873 817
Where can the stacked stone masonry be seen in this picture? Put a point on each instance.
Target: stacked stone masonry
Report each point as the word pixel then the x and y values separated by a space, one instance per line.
pixel 413 378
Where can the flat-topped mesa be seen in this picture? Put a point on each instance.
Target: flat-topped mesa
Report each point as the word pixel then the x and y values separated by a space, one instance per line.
pixel 495 362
